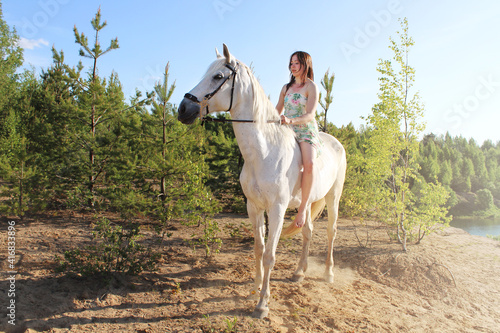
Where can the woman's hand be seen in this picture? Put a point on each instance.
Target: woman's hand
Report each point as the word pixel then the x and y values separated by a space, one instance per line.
pixel 285 120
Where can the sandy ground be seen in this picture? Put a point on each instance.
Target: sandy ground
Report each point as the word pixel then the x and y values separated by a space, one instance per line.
pixel 449 283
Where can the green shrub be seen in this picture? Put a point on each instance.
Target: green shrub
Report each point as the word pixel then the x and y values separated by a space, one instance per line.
pixel 116 250
pixel 210 240
pixel 484 199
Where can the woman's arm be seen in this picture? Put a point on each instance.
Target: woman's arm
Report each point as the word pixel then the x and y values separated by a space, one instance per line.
pixel 281 102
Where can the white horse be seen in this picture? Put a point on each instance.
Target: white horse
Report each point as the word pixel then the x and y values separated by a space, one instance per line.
pixel 271 175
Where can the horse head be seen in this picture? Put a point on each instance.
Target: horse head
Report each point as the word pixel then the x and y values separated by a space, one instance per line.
pixel 215 92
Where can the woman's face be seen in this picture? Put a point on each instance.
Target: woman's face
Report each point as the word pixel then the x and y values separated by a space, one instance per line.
pixel 295 66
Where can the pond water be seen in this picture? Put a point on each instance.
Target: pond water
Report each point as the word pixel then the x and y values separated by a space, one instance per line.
pixel 478 227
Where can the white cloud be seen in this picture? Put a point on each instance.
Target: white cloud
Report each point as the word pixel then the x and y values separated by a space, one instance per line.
pixel 31 44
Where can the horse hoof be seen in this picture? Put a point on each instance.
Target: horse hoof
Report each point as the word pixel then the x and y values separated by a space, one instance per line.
pixel 260 313
pixel 297 278
pixel 329 278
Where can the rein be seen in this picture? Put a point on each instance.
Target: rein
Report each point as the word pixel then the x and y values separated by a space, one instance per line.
pixel 204 102
pixel 216 120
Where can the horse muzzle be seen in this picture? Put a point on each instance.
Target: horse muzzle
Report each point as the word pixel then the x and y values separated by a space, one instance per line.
pixel 188 111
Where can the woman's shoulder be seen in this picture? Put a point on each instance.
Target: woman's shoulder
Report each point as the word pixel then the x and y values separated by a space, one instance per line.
pixel 311 87
pixel 311 84
pixel 283 89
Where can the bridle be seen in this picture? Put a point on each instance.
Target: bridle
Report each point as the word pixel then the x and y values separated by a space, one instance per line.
pixel 204 102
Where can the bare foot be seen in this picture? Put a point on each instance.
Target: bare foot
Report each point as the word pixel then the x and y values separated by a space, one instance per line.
pixel 300 219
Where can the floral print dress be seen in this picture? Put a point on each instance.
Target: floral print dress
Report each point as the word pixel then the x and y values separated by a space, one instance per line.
pixel 295 106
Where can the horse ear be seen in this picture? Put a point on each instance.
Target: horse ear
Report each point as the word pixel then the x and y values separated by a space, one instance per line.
pixel 217 53
pixel 228 55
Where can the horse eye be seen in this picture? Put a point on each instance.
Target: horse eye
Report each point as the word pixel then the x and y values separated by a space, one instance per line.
pixel 218 76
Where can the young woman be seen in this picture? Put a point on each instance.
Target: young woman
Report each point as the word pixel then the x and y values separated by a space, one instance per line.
pixel 299 100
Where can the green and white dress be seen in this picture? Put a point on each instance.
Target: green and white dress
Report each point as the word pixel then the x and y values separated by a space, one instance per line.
pixel 295 106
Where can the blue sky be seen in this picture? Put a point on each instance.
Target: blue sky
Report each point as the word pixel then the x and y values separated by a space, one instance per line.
pixel 456 52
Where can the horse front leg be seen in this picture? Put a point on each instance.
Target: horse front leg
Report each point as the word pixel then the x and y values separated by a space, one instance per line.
pixel 276 216
pixel 256 216
pixel 307 231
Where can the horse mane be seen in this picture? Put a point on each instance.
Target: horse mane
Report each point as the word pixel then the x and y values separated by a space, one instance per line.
pixel 264 111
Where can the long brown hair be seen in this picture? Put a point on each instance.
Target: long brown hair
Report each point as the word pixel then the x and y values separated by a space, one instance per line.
pixel 305 61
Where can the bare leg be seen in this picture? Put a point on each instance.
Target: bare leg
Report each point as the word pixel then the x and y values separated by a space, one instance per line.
pixel 308 155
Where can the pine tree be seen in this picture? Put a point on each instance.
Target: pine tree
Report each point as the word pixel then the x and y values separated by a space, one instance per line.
pixel 14 170
pixel 163 92
pixel 170 172
pixel 13 166
pixel 95 109
pixel 11 55
pixel 327 84
pixel 53 133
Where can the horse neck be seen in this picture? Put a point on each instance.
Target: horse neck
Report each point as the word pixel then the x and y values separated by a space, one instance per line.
pixel 260 139
pixel 252 141
pixel 257 140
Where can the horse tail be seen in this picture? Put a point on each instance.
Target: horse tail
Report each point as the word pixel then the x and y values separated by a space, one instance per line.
pixel 316 209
